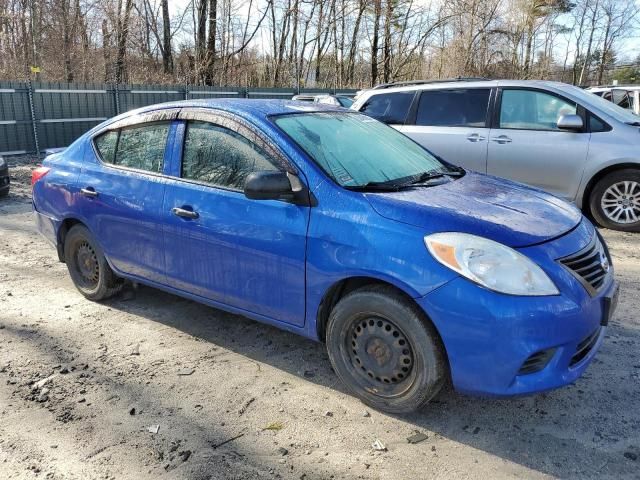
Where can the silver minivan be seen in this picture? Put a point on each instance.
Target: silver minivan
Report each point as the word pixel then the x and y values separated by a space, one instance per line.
pixel 550 135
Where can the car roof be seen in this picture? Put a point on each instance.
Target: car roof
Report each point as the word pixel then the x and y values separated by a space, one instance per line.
pixel 258 109
pixel 467 84
pixel 613 87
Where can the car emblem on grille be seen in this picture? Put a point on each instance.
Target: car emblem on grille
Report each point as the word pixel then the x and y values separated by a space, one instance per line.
pixel 604 262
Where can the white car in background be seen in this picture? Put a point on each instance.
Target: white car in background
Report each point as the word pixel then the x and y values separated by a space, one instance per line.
pixel 625 96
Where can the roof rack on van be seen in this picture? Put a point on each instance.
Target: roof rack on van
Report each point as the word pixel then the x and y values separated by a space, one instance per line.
pixel 424 82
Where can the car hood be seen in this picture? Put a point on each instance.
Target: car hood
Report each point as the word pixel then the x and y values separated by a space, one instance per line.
pixel 507 212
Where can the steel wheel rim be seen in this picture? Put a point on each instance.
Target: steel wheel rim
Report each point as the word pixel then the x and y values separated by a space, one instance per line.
pixel 86 264
pixel 621 202
pixel 381 356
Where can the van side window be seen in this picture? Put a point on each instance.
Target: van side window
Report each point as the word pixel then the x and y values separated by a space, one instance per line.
pixel 533 110
pixel 222 157
pixel 142 147
pixel 453 108
pixel 391 108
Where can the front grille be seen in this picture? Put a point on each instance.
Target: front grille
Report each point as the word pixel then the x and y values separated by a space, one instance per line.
pixel 584 347
pixel 590 266
pixel 536 362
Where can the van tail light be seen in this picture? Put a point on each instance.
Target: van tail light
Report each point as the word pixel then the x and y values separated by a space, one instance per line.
pixel 38 173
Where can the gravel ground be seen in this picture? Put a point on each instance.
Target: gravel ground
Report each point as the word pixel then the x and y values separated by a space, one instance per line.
pixel 150 385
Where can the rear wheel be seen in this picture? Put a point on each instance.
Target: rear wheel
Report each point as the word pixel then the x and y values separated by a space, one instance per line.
pixel 87 265
pixel 385 350
pixel 615 201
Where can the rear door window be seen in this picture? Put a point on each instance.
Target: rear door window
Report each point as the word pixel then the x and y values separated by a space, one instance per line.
pixel 142 147
pixel 453 108
pixel 390 108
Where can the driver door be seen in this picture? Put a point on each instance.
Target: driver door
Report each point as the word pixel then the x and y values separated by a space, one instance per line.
pixel 528 147
pixel 248 254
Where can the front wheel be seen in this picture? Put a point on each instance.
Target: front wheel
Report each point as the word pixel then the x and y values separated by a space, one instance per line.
pixel 615 201
pixel 89 270
pixel 385 350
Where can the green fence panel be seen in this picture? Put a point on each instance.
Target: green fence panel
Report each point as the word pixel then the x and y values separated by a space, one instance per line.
pixel 65 111
pixel 280 93
pixel 136 96
pixel 15 119
pixel 204 93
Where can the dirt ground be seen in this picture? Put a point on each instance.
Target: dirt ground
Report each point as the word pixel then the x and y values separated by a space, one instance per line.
pixel 150 385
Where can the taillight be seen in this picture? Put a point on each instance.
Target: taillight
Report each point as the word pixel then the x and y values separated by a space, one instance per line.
pixel 38 173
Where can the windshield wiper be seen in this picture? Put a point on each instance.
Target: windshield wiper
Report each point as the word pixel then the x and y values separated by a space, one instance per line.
pixel 374 187
pixel 430 175
pixel 405 182
pixel 633 124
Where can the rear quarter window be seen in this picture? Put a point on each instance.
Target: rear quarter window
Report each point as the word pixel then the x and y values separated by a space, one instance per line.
pixel 391 108
pixel 106 146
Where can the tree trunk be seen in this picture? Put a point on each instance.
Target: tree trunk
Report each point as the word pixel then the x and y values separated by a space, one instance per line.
pixel 386 52
pixel 123 33
pixel 605 51
pixel 318 35
pixel 587 57
pixel 201 39
pixel 106 51
pixel 377 10
pixel 211 41
pixel 167 54
pixel 354 42
pixel 66 41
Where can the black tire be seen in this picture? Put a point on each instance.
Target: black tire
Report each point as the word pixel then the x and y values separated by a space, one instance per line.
pixel 89 270
pixel 4 193
pixel 605 191
pixel 385 350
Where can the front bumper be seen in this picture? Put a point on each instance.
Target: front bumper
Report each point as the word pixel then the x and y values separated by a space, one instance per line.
pixel 489 336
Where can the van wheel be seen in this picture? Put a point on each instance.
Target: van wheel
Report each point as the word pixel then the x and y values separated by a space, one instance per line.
pixel 87 265
pixel 615 201
pixel 385 350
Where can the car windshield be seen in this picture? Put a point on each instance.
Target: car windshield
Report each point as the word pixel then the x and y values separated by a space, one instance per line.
pixel 356 150
pixel 610 108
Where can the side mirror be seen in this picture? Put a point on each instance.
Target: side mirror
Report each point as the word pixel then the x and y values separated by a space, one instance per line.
pixel 570 122
pixel 267 185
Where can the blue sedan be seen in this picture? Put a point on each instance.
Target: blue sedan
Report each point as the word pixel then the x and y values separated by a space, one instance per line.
pixel 329 224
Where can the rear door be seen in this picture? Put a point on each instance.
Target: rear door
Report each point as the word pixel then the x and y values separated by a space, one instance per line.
pixel 220 245
pixel 122 190
pixel 453 124
pixel 528 147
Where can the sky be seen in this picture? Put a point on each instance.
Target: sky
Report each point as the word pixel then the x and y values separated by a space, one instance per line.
pixel 628 51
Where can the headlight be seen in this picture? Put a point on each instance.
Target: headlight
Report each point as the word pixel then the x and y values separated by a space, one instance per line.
pixel 2 162
pixel 490 264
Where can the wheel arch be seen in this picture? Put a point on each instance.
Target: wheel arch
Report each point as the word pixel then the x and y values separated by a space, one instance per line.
pixel 599 175
pixel 63 229
pixel 343 287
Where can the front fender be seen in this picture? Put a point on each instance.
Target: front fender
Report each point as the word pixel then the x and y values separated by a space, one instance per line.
pixel 347 238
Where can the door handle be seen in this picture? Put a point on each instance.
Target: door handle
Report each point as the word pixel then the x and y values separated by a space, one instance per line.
pixel 502 139
pixel 181 212
pixel 474 137
pixel 89 192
